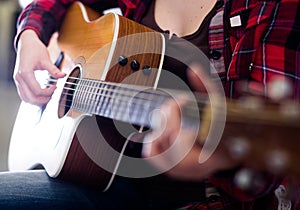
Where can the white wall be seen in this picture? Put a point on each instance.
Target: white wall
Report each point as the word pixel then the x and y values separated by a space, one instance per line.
pixel 9 100
pixel 9 103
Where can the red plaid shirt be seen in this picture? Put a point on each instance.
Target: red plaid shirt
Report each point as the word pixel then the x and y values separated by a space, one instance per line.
pixel 266 45
pixel 261 40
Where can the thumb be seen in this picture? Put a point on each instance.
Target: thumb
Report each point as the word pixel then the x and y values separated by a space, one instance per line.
pixel 54 71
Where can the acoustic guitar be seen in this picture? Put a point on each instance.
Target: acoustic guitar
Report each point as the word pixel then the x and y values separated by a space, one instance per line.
pixel 113 66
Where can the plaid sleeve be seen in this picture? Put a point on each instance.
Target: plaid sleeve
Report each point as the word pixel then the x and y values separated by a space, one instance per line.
pixel 45 16
pixel 41 16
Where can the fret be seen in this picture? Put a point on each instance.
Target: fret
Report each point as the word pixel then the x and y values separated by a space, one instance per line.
pixel 142 111
pixel 70 92
pixel 111 98
pixel 93 95
pixel 75 103
pixel 106 105
pixel 126 97
pixel 90 96
pixel 79 95
pixel 151 100
pixel 97 97
pixel 124 109
pixel 135 105
pixel 101 99
pixel 82 96
pixel 87 96
pixel 146 109
pixel 118 102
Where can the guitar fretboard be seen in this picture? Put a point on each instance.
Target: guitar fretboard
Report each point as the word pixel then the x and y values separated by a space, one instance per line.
pixel 132 104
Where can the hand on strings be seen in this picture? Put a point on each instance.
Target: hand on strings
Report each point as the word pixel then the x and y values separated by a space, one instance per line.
pixel 172 147
pixel 33 55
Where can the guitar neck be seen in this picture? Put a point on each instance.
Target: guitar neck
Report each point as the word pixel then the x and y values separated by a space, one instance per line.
pixel 119 102
pixel 134 104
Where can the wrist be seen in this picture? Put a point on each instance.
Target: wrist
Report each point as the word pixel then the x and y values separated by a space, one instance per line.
pixel 27 34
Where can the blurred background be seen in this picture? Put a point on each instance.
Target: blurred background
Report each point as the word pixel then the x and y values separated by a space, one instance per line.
pixel 9 100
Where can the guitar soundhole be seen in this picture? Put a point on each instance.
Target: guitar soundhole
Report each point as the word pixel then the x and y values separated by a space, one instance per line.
pixel 67 95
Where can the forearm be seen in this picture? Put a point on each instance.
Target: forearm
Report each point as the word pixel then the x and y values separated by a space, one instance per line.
pixel 43 17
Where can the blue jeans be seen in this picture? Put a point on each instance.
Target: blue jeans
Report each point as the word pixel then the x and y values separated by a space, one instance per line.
pixel 35 190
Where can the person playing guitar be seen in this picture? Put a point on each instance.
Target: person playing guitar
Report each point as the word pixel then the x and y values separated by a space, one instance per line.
pixel 94 71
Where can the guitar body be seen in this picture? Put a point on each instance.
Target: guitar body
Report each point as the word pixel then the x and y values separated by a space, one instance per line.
pixel 69 143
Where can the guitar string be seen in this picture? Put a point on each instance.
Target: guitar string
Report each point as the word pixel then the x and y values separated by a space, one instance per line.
pixel 111 89
pixel 201 99
pixel 116 102
pixel 119 92
pixel 142 105
pixel 114 91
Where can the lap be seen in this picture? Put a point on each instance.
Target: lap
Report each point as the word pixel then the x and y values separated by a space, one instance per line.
pixel 36 190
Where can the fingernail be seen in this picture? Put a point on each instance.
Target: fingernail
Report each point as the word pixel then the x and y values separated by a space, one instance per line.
pixel 60 73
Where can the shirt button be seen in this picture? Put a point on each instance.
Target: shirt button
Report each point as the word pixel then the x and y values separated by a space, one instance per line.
pixel 213 198
pixel 216 55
